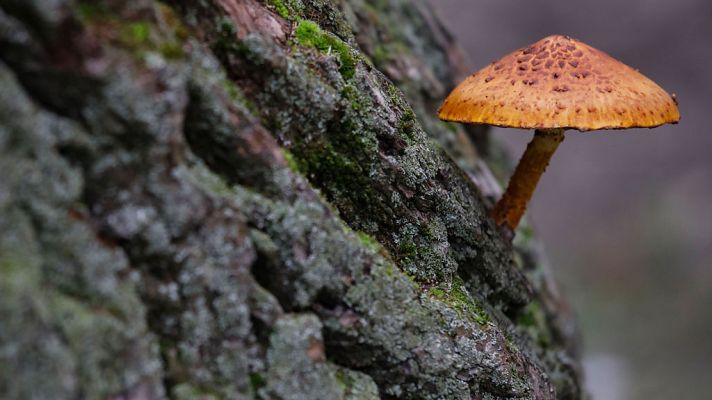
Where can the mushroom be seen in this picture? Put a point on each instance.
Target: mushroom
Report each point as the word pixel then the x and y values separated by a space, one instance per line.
pixel 555 84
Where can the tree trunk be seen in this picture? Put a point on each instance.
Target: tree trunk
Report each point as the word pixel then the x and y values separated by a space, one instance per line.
pixel 240 199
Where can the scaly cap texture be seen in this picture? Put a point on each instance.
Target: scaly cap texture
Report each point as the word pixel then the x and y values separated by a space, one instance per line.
pixel 559 82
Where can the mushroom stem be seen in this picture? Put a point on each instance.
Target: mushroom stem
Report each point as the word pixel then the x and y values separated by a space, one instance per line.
pixel 510 208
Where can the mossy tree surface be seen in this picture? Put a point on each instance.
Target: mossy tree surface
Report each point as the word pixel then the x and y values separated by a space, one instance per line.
pixel 253 199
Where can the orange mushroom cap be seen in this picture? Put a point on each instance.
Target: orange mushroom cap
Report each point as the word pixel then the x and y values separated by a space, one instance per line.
pixel 559 82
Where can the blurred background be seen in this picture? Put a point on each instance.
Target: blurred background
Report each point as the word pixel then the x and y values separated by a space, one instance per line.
pixel 626 216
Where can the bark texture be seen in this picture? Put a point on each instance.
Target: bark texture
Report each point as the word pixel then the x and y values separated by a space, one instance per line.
pixel 235 199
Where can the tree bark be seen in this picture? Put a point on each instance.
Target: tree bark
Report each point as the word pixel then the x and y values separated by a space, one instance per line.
pixel 243 199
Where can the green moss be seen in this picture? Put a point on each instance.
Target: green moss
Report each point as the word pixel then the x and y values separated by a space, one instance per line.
pixel 8 266
pixel 280 7
pixel 407 250
pixel 337 168
pixel 257 381
pixel 341 168
pixel 357 119
pixel 232 90
pixel 186 391
pixel 391 271
pixel 369 241
pixel 408 122
pixel 342 379
pixel 417 258
pixel 137 32
pixel 291 161
pixel 239 97
pixel 206 179
pixel 226 44
pixel 173 21
pixel 18 274
pixel 138 36
pixel 171 50
pixel 429 231
pixel 412 280
pixel 135 37
pixel 396 96
pixel 227 29
pixel 461 301
pixel 380 55
pixel 533 321
pixel 90 11
pixel 287 9
pixel 309 34
pixel 324 158
pixel 358 101
pixel 451 126
pixel 525 234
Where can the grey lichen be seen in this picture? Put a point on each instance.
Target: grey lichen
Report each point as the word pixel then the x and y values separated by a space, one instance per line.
pixel 298 369
pixel 72 319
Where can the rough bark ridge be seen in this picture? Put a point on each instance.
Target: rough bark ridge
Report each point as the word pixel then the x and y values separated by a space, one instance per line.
pixel 242 199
